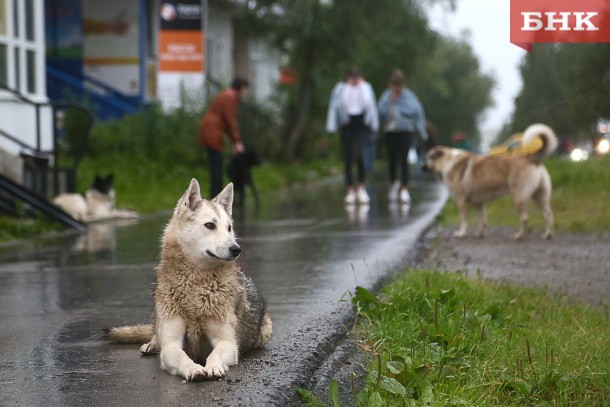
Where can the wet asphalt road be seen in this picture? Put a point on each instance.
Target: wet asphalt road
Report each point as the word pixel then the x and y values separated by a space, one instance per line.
pixel 303 249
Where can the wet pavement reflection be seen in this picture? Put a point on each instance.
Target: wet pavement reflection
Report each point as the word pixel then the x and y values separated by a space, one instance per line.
pixel 304 250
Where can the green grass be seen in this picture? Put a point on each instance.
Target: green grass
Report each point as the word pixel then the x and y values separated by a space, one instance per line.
pixel 22 228
pixel 443 339
pixel 148 186
pixel 580 201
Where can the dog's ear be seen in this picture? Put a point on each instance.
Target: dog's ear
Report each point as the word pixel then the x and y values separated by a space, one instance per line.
pixel 192 196
pixel 225 198
pixel 435 153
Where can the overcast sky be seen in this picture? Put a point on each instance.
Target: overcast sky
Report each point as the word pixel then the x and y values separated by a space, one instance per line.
pixel 489 25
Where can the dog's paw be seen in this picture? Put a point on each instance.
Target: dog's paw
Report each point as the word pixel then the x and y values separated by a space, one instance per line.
pixel 480 234
pixel 215 371
pixel 149 348
pixel 518 236
pixel 459 233
pixel 195 373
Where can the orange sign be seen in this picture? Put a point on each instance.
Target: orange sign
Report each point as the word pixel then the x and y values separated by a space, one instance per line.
pixel 181 51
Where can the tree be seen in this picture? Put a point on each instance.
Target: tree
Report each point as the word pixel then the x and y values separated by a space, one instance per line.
pixel 453 88
pixel 312 38
pixel 566 86
pixel 321 39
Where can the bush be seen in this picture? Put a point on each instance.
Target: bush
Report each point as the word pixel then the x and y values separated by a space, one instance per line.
pixel 151 134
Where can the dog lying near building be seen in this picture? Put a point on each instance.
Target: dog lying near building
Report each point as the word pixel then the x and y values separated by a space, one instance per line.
pixel 98 203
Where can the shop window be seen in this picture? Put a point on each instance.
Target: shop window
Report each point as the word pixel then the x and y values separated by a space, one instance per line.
pixel 31 71
pixel 17 67
pixel 3 65
pixel 16 18
pixel 21 48
pixel 29 20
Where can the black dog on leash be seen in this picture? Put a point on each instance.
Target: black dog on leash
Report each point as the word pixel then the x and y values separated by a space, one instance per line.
pixel 240 174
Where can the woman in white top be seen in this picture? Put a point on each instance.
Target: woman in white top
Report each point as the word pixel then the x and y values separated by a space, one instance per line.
pixel 353 111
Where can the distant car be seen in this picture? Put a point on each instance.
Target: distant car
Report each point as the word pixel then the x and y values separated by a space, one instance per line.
pixel 514 146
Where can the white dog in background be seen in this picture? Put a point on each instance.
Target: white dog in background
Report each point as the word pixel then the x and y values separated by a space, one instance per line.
pixel 98 203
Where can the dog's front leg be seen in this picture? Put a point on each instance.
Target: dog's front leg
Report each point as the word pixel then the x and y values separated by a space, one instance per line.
pixel 463 208
pixel 173 358
pixel 225 351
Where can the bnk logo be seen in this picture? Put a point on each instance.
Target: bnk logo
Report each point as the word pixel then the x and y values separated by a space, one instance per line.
pixel 559 21
pixel 562 21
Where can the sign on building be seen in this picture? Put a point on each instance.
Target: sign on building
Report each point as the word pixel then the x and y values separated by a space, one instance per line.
pixel 181 50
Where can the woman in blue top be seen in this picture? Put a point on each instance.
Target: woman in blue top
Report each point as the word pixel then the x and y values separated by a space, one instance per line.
pixel 400 114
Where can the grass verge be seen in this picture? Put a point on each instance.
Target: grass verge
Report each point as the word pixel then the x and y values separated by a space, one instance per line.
pixel 148 186
pixel 447 340
pixel 12 228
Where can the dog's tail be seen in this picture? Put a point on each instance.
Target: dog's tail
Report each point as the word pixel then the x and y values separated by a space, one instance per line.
pixel 130 334
pixel 549 141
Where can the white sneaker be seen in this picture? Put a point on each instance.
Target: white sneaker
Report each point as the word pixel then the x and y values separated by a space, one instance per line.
pixel 405 198
pixel 362 196
pixel 350 198
pixel 393 194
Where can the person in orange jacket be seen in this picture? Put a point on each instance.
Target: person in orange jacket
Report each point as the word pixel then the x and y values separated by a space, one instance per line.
pixel 221 119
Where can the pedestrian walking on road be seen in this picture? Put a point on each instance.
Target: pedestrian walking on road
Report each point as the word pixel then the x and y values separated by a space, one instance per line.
pixel 353 112
pixel 400 114
pixel 219 119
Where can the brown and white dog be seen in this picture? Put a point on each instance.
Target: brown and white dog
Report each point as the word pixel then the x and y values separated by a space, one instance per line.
pixel 475 179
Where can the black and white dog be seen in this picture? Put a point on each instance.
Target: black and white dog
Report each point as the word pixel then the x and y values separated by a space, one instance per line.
pixel 96 204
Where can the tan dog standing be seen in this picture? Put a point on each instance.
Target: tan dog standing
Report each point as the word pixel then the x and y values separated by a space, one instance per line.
pixel 206 309
pixel 474 179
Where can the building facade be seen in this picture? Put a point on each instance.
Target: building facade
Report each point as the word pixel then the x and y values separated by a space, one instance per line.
pixel 116 56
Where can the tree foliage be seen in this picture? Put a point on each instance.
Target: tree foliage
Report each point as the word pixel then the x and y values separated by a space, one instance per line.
pixel 321 39
pixel 566 86
pixel 452 88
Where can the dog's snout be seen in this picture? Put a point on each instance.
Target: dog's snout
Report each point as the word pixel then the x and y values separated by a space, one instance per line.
pixel 235 250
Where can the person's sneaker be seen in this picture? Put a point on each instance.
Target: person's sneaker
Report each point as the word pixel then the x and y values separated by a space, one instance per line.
pixel 405 198
pixel 393 194
pixel 350 198
pixel 362 196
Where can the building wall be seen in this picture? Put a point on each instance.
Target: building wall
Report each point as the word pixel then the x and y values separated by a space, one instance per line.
pixel 232 52
pixel 22 60
pixel 111 44
pixel 264 68
pixel 20 121
pixel 219 44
